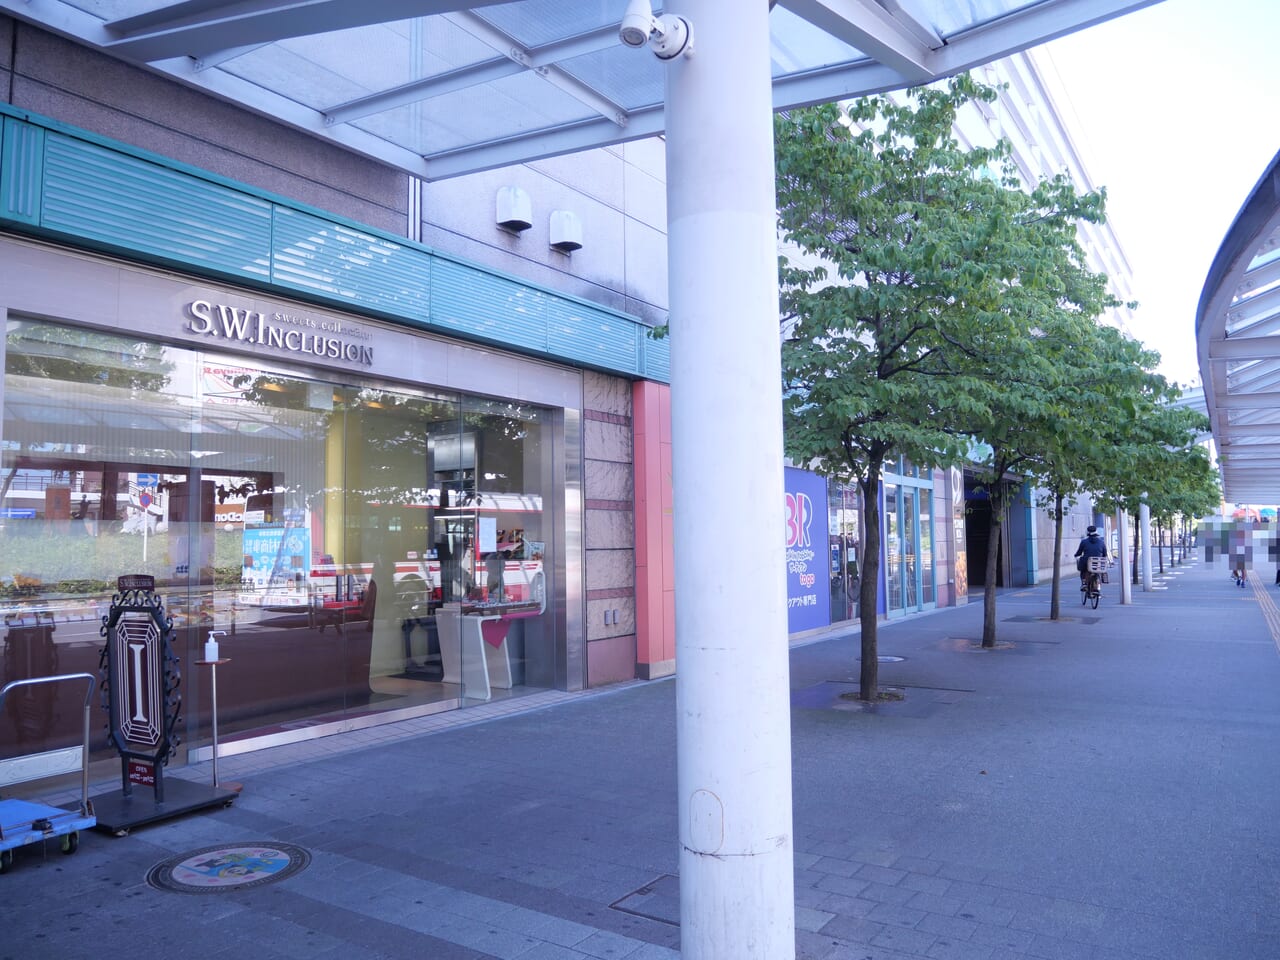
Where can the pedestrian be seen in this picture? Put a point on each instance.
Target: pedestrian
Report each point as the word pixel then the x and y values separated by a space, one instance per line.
pixel 1238 553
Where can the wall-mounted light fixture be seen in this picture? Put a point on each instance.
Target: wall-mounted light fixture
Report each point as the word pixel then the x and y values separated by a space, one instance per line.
pixel 565 231
pixel 515 209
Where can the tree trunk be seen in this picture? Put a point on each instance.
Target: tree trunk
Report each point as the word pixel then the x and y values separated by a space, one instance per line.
pixel 1160 546
pixel 1137 546
pixel 868 589
pixel 1055 592
pixel 996 496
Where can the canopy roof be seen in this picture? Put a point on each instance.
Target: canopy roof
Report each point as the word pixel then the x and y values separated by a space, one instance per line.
pixel 1238 335
pixel 441 88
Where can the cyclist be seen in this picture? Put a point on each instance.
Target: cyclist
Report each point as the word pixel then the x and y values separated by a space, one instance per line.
pixel 1091 545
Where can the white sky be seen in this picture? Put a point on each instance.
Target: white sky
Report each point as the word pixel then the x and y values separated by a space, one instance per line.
pixel 1177 115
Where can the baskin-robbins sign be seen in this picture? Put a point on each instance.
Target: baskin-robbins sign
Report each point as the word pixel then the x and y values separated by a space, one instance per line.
pixel 297 334
pixel 808 583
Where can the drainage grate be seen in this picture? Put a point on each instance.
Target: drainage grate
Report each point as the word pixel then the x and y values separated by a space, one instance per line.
pixel 658 900
pixel 224 868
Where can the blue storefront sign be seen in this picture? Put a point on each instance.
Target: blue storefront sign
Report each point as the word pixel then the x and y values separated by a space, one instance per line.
pixel 808 584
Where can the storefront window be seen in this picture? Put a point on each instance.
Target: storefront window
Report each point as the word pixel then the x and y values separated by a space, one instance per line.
pixel 908 546
pixel 322 526
pixel 842 511
pixel 926 547
pixel 894 548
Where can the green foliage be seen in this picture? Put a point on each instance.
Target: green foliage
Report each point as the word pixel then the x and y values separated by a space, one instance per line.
pixel 904 253
pixel 933 306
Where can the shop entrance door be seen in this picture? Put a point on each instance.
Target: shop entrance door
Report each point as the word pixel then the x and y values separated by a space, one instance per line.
pixel 908 549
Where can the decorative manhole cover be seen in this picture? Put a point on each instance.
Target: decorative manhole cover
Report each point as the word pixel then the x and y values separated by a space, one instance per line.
pixel 887 659
pixel 224 868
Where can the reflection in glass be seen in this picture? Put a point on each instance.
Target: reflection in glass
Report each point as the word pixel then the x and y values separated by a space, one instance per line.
pixel 926 546
pixel 893 547
pixel 323 526
pixel 910 537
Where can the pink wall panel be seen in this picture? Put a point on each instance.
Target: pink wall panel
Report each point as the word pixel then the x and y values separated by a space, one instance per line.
pixel 655 583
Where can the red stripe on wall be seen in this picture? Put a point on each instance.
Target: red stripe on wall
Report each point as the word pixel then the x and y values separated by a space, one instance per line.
pixel 609 505
pixel 602 417
pixel 613 593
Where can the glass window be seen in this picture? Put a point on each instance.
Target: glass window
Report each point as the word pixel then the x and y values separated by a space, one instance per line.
pixel 926 547
pixel 323 527
pixel 893 547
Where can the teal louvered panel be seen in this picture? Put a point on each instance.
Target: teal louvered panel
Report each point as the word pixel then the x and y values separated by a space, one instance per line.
pixel 657 357
pixel 108 197
pixel 95 194
pixel 482 304
pixel 375 273
pixel 579 332
pixel 21 170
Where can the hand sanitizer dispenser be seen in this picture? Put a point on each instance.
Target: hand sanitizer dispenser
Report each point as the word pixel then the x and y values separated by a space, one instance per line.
pixel 211 645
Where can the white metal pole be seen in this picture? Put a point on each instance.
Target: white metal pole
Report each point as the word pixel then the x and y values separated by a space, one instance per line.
pixel 737 894
pixel 1144 531
pixel 213 705
pixel 1122 556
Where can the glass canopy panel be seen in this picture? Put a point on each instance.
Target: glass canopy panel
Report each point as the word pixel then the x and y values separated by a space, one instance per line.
pixel 326 70
pixel 631 81
pixel 536 23
pixel 118 9
pixel 277 58
pixel 501 108
pixel 948 17
pixel 797 46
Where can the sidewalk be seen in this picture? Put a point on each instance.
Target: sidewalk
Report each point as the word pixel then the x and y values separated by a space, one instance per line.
pixel 1103 787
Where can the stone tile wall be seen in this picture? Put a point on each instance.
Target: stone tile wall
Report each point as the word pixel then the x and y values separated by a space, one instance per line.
pixel 609 535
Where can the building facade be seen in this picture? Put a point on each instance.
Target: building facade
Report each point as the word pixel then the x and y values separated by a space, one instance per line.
pixel 402 446
pixel 378 435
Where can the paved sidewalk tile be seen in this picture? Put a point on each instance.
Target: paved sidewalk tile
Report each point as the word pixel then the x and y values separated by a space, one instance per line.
pixel 1099 787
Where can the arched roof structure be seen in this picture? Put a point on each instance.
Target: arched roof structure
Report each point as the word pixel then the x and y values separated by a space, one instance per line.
pixel 441 88
pixel 1238 338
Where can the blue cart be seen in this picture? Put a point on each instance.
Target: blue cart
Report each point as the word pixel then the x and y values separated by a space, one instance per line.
pixel 23 822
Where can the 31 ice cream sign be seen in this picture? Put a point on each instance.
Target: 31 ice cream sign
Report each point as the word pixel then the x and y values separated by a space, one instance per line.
pixel 808 592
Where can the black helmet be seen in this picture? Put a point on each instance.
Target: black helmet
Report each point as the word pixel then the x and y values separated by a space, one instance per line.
pixel 1091 529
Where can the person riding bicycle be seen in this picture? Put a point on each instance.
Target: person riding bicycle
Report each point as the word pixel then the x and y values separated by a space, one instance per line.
pixel 1091 545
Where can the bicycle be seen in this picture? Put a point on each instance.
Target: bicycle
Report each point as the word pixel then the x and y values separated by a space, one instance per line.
pixel 1091 581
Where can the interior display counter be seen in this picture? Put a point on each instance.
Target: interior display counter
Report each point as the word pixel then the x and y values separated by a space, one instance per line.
pixel 473 644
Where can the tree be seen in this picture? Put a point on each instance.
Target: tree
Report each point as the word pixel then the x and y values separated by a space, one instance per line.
pixel 1171 472
pixel 908 245
pixel 1122 402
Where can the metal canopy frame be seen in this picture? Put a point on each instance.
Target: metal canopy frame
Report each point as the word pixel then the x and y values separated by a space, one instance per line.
pixel 1238 337
pixel 443 88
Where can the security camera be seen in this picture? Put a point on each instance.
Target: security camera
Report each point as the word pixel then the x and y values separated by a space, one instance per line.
pixel 637 23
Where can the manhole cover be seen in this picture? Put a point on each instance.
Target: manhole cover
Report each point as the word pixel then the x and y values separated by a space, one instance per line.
pixel 223 868
pixel 880 659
